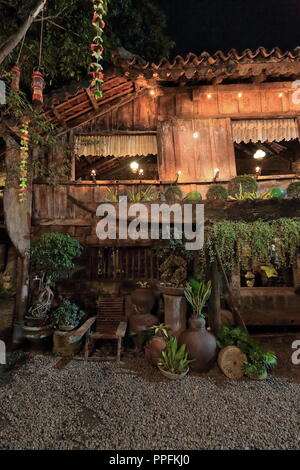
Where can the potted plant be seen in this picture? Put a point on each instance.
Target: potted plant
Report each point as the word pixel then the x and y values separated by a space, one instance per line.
pixel 201 345
pixel 174 362
pixel 67 316
pixel 157 341
pixel 52 258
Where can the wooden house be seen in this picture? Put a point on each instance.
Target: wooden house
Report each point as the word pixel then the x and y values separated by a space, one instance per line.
pixel 192 120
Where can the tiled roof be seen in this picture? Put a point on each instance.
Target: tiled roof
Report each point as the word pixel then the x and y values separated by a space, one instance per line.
pixel 206 66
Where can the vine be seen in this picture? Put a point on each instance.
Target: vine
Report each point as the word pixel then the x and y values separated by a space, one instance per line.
pixel 23 163
pixel 100 9
pixel 276 242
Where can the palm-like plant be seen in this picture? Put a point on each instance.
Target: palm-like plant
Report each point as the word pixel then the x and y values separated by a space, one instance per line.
pixel 174 359
pixel 197 294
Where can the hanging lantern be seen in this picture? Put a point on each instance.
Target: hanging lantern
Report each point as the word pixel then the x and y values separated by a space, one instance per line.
pixel 38 85
pixel 15 77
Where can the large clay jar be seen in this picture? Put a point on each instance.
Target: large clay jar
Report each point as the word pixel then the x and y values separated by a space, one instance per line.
pixel 201 345
pixel 138 323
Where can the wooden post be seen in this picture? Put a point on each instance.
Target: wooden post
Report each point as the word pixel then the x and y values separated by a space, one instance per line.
pixel 214 306
pixel 18 225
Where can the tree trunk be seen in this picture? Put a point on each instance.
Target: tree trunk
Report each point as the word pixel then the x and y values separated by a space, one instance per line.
pixel 8 46
pixel 214 306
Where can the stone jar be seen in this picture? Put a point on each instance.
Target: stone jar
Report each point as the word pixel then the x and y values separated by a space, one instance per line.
pixel 201 345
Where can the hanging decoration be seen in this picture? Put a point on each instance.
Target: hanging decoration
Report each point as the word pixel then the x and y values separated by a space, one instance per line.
pixel 38 82
pixel 16 71
pixel 23 163
pixel 15 77
pixel 100 9
pixel 38 85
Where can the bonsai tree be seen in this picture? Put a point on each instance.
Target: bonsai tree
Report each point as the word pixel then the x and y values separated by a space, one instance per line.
pixel 68 314
pixel 242 184
pixel 53 254
pixel 216 191
pixel 293 190
pixel 197 294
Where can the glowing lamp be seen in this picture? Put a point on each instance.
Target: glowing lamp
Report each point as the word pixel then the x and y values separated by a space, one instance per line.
pixel 134 166
pixel 152 92
pixel 209 96
pixel 240 95
pixel 196 135
pixel 259 154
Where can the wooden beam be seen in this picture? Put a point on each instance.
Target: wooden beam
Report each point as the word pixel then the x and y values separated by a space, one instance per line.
pixel 59 117
pixel 92 98
pixel 105 109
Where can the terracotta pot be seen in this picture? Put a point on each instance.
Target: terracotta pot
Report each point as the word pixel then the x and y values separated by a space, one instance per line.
pixel 139 323
pixel 66 327
pixel 143 299
pixel 201 345
pixel 154 349
pixel 172 376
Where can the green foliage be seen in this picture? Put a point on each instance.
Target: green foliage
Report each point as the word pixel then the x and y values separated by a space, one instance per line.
pixel 53 255
pixel 258 360
pixel 242 195
pixel 67 314
pixel 293 190
pixel 112 195
pixel 161 330
pixel 174 358
pixel 242 183
pixel 142 196
pixel 257 242
pixel 173 193
pixel 193 196
pixel 216 191
pixel 137 25
pixel 197 294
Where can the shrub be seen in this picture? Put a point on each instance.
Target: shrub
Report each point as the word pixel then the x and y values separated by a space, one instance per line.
pixel 216 191
pixel 242 183
pixel 53 253
pixel 67 314
pixel 293 189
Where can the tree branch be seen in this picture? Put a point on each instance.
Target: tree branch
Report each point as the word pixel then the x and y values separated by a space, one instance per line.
pixel 8 46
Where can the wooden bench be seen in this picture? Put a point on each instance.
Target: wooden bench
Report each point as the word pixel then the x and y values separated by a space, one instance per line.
pixel 110 323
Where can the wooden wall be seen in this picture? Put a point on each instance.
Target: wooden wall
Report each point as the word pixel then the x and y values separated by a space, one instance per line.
pixel 196 147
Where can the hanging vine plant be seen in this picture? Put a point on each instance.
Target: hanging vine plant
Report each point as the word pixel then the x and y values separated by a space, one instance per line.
pixel 100 10
pixel 247 244
pixel 23 163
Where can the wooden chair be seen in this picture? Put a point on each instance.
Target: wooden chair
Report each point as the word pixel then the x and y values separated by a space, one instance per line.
pixel 110 323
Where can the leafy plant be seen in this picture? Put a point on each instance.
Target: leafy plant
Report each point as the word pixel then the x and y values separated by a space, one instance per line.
pixel 112 195
pixel 216 192
pixel 53 254
pixel 197 294
pixel 142 196
pixel 242 183
pixel 242 195
pixel 173 193
pixel 247 243
pixel 67 314
pixel 174 358
pixel 258 360
pixel 293 190
pixel 161 329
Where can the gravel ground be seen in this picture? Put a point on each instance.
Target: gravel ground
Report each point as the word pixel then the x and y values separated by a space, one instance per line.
pixel 99 405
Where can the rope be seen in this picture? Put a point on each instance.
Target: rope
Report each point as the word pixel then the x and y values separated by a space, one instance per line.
pixel 41 39
pixel 21 47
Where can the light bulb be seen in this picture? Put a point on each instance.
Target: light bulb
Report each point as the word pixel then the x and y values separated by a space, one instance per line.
pixel 259 154
pixel 134 167
pixel 280 95
pixel 152 92
pixel 196 135
pixel 240 95
pixel 209 96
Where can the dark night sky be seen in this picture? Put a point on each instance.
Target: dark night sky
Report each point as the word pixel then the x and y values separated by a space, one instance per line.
pixel 198 25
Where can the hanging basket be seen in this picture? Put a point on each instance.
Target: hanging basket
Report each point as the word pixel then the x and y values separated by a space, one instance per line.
pixel 38 85
pixel 15 77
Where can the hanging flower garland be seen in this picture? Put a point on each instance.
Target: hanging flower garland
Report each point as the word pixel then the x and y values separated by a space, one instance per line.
pixel 23 163
pixel 100 9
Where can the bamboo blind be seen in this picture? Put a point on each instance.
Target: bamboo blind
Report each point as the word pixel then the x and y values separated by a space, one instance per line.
pixel 116 145
pixel 246 130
